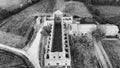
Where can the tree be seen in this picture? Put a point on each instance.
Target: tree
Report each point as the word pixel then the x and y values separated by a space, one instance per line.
pixel 98 33
pixel 46 30
pixel 4 14
pixel 97 12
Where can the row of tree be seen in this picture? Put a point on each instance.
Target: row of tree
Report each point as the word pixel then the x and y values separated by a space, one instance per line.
pixel 102 2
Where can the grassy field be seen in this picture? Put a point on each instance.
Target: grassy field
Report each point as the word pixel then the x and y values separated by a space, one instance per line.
pixel 112 48
pixel 109 11
pixel 23 17
pixel 76 8
pixel 9 60
pixel 11 4
pixel 12 40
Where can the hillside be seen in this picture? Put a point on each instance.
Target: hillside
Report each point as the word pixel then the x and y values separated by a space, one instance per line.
pixel 20 23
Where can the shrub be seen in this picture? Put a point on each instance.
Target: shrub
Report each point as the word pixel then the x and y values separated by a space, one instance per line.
pixel 46 30
pixel 4 14
pixel 97 12
pixel 98 33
